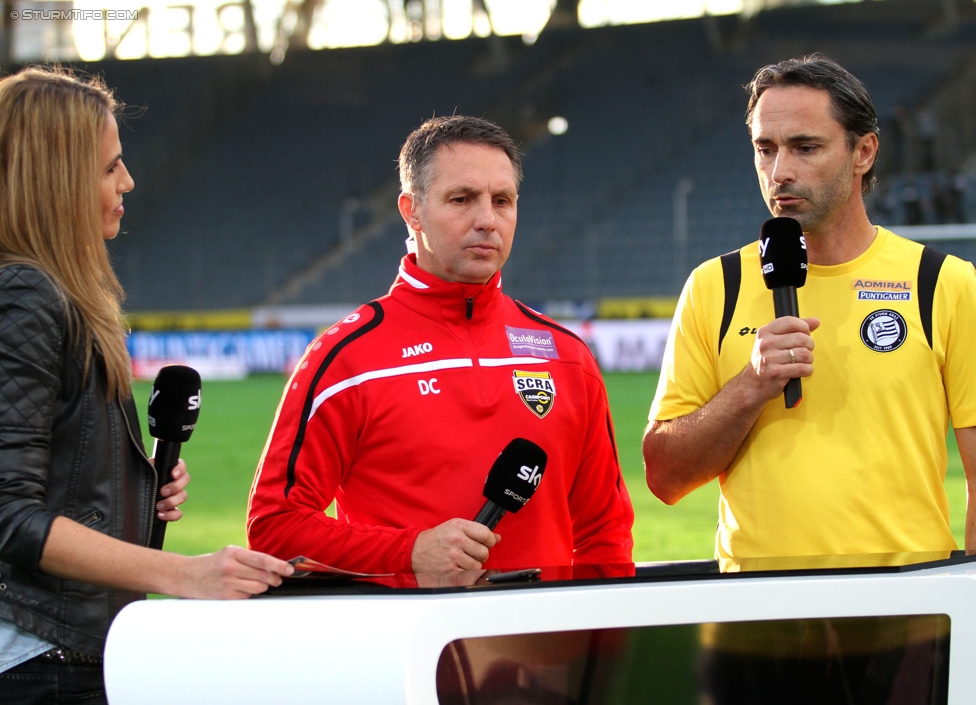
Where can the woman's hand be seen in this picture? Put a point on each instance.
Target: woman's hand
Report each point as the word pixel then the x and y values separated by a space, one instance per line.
pixel 174 493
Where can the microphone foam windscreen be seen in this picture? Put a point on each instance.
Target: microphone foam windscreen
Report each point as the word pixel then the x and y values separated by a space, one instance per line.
pixel 174 403
pixel 515 474
pixel 783 252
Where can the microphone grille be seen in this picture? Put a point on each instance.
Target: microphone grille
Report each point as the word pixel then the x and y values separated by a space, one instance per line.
pixel 783 251
pixel 174 403
pixel 515 474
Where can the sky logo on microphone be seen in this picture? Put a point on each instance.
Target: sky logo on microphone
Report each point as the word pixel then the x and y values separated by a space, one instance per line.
pixel 517 497
pixel 530 475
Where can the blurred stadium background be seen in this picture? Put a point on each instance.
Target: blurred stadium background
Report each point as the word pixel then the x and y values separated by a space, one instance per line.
pixel 263 138
pixel 266 177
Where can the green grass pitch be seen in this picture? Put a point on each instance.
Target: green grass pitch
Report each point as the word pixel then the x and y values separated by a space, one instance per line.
pixel 236 416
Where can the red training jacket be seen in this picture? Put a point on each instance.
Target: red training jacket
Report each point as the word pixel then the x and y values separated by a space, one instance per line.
pixel 398 412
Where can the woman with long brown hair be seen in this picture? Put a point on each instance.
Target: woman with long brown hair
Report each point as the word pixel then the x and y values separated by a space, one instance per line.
pixel 77 492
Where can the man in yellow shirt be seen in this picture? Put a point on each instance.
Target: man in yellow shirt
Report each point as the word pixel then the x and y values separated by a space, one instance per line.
pixel 859 465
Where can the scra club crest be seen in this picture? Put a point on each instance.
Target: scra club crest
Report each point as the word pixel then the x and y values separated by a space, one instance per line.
pixel 537 390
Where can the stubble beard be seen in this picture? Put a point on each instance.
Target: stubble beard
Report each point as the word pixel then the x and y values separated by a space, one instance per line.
pixel 819 205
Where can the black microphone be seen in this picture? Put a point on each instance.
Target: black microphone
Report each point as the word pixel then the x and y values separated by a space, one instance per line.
pixel 174 406
pixel 783 252
pixel 512 480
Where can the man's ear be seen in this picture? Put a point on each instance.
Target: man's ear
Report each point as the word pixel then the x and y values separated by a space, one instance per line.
pixel 407 204
pixel 865 153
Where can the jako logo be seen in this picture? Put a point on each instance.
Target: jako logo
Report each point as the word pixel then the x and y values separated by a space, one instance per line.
pixel 530 475
pixel 417 349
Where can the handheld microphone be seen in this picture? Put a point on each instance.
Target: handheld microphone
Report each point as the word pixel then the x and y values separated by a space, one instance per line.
pixel 174 406
pixel 512 480
pixel 783 252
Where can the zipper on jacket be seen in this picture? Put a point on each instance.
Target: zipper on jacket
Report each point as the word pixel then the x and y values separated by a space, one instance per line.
pixel 468 315
pixel 142 452
pixel 90 518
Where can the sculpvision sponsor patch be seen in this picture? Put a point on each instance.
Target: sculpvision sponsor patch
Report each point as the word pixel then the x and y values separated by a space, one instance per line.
pixel 536 389
pixel 532 342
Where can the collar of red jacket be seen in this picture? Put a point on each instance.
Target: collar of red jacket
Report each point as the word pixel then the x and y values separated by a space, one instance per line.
pixel 430 294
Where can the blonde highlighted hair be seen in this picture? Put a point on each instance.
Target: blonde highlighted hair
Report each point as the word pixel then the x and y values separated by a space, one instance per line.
pixel 51 126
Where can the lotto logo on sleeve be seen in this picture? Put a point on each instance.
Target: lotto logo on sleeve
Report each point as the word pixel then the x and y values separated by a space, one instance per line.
pixel 884 330
pixel 537 390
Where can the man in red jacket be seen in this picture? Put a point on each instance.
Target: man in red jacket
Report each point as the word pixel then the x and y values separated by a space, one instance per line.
pixel 398 411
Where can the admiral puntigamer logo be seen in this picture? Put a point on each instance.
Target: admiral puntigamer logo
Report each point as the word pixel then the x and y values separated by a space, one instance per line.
pixel 884 330
pixel 537 389
pixel 882 290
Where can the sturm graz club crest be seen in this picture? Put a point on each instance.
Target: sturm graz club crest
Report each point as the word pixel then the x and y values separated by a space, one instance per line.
pixel 537 390
pixel 884 330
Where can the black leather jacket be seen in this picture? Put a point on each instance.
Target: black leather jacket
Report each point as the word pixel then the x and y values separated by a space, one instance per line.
pixel 65 449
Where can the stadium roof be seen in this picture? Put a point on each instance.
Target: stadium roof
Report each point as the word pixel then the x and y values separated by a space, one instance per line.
pixel 166 28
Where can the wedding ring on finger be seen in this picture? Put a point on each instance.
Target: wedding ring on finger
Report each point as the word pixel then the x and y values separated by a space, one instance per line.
pixel 792 356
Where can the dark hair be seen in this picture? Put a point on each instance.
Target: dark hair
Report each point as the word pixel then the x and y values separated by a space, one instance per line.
pixel 422 144
pixel 852 106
